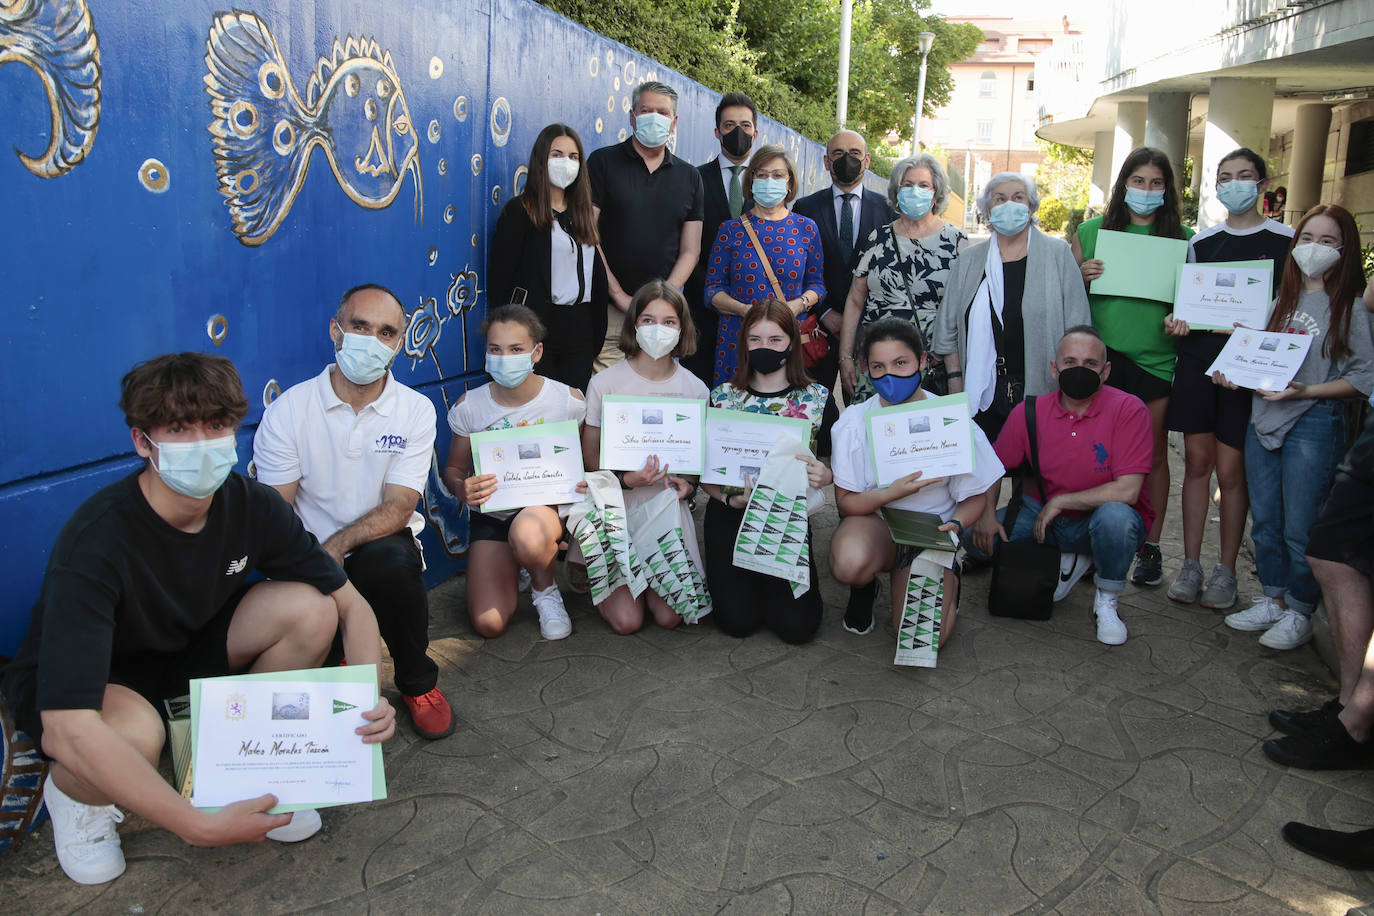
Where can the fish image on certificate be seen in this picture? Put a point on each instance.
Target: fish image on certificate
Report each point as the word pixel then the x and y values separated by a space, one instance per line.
pixel 634 428
pixel 538 465
pixel 933 436
pixel 285 732
pixel 1220 295
pixel 738 442
pixel 1261 360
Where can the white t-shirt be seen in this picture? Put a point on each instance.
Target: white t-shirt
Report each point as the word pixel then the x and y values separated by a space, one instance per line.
pixel 623 379
pixel 852 464
pixel 344 460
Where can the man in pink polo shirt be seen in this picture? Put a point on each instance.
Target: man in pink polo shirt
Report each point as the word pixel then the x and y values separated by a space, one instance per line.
pixel 1095 446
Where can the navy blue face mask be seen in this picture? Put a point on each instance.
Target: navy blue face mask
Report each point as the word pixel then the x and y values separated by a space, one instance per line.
pixel 895 389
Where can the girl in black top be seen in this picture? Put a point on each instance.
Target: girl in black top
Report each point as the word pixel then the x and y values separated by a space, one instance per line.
pixel 543 254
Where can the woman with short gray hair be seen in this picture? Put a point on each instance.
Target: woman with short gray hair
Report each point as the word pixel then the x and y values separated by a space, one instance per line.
pixel 901 272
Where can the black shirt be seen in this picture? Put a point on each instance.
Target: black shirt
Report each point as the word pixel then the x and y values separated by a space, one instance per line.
pixel 121 581
pixel 642 212
pixel 1268 241
pixel 1010 332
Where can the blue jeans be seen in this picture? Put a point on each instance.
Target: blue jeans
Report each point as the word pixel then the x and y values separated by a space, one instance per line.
pixel 1287 487
pixel 1112 533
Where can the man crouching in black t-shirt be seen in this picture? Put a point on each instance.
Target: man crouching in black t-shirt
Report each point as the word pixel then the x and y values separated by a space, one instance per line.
pixel 146 588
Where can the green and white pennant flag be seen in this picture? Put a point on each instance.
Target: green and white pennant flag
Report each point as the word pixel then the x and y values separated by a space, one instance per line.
pixel 772 536
pixel 598 522
pixel 669 567
pixel 918 634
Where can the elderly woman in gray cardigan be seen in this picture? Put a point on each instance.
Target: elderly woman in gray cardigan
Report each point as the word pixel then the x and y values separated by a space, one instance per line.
pixel 1007 303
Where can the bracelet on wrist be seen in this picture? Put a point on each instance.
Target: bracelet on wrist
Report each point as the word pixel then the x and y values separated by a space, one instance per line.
pixel 957 373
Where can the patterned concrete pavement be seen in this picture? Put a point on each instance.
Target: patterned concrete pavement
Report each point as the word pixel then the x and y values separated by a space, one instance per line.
pixel 687 772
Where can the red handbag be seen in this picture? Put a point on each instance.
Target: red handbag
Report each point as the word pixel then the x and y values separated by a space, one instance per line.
pixel 815 345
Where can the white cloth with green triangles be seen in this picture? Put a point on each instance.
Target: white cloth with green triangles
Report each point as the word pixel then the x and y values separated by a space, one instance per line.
pixel 772 536
pixel 601 528
pixel 918 634
pixel 669 568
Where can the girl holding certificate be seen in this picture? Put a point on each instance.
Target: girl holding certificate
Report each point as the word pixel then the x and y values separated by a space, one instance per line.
pixel 1297 436
pixel 894 356
pixel 770 379
pixel 658 329
pixel 504 542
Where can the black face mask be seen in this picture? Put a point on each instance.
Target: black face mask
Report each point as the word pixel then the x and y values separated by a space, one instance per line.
pixel 764 361
pixel 737 142
pixel 847 169
pixel 1079 382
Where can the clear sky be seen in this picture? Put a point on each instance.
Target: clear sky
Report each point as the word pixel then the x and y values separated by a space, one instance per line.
pixel 1022 9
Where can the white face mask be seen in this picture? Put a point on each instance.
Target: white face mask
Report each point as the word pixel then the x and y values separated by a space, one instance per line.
pixel 1315 259
pixel 658 340
pixel 563 171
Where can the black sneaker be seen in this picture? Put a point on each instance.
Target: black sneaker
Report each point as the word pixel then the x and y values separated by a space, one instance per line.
pixel 1292 722
pixel 858 616
pixel 1149 566
pixel 1353 850
pixel 1327 747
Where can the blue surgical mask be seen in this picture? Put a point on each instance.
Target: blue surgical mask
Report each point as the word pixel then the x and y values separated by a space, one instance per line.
pixel 769 191
pixel 363 359
pixel 652 129
pixel 1009 217
pixel 1143 203
pixel 1239 195
pixel 195 469
pixel 915 202
pixel 509 371
pixel 895 389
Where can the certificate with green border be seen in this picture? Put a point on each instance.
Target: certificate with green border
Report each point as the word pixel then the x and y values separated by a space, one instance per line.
pixel 633 428
pixel 738 441
pixel 933 436
pixel 250 712
pixel 1187 282
pixel 539 465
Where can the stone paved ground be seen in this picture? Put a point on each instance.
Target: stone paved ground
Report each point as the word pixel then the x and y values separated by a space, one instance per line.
pixel 687 772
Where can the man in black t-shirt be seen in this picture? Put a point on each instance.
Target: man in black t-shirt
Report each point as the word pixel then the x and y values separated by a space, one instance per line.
pixel 147 587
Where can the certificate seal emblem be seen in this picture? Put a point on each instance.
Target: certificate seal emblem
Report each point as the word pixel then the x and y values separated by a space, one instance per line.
pixel 235 707
pixel 889 430
pixel 622 416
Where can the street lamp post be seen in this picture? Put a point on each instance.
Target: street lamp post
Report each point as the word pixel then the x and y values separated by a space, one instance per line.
pixel 842 90
pixel 925 40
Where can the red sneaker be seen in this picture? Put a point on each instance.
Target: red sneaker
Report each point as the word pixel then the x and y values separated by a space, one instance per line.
pixel 430 714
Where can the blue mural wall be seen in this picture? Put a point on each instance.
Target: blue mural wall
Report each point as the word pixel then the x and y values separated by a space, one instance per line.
pixel 188 177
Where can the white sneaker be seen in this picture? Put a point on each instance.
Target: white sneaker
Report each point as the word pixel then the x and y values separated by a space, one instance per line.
pixel 523 583
pixel 85 837
pixel 554 622
pixel 303 825
pixel 1110 630
pixel 1262 614
pixel 1072 567
pixel 1292 630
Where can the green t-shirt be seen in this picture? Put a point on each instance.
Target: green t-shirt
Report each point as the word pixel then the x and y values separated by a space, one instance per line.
pixel 1132 327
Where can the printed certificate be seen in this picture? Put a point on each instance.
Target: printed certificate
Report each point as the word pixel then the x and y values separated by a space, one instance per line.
pixel 285 732
pixel 537 465
pixel 1265 360
pixel 634 428
pixel 1220 295
pixel 933 436
pixel 737 442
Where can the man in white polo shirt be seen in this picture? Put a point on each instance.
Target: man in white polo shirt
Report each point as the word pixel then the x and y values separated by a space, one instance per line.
pixel 350 449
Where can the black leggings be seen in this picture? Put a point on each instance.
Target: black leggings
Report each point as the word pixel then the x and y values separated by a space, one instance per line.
pixel 744 601
pixel 572 341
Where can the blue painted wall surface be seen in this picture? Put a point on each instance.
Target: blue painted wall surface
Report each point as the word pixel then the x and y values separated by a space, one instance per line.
pixel 129 249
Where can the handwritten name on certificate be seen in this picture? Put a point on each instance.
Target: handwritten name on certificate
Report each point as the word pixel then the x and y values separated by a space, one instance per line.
pixel 1265 360
pixel 633 428
pixel 538 465
pixel 287 732
pixel 1223 295
pixel 737 442
pixel 933 436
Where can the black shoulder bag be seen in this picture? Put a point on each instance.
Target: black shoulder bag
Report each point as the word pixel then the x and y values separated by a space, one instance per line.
pixel 1024 573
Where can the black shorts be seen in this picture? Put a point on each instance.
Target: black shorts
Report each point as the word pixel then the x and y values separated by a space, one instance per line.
pixel 1344 532
pixel 1199 406
pixel 485 527
pixel 1128 377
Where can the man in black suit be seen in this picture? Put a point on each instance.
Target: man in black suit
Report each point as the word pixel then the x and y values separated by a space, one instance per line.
pixel 846 213
pixel 723 181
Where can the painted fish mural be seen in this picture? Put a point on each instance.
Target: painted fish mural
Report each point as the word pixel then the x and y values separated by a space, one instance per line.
pixel 265 134
pixel 56 40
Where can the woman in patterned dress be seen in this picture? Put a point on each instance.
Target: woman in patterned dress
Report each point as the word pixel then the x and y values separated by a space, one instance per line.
pixel 902 271
pixel 736 278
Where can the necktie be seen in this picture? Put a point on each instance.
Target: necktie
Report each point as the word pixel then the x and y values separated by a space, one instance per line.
pixel 846 227
pixel 736 190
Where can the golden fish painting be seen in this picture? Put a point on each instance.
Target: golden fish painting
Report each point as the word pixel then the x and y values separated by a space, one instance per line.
pixel 354 110
pixel 56 40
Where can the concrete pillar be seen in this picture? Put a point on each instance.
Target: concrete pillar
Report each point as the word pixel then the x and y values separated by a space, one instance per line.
pixel 1101 188
pixel 1129 133
pixel 1195 151
pixel 1308 164
pixel 1239 112
pixel 1166 126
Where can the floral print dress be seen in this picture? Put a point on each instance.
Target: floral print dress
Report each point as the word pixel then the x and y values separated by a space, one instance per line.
pixel 802 403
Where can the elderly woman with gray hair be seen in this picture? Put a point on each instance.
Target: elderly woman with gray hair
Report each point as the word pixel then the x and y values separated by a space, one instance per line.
pixel 1007 303
pixel 901 272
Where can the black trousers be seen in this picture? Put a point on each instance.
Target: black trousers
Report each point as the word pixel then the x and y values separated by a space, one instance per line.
pixel 387 572
pixel 827 373
pixel 572 342
pixel 744 601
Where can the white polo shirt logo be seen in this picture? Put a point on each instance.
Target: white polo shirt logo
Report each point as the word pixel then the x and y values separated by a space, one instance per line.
pixel 390 444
